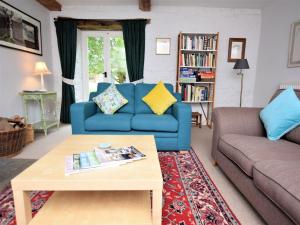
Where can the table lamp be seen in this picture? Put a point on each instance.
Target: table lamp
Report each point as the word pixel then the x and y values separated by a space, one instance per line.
pixel 41 69
pixel 241 64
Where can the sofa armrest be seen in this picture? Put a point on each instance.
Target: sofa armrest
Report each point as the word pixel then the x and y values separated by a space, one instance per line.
pixel 233 120
pixel 183 113
pixel 79 113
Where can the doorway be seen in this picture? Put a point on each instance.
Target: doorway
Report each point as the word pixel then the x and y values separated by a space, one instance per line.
pixel 103 59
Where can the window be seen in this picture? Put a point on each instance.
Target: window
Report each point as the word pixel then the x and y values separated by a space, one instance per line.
pixel 103 59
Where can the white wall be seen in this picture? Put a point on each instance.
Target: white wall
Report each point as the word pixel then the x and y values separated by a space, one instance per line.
pixel 16 67
pixel 168 22
pixel 272 67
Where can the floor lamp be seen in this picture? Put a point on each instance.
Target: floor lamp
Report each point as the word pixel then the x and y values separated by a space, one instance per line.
pixel 241 64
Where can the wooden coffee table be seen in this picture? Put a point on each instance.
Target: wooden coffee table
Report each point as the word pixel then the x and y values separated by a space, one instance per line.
pixel 118 195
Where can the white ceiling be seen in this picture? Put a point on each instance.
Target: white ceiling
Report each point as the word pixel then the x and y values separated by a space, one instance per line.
pixel 203 3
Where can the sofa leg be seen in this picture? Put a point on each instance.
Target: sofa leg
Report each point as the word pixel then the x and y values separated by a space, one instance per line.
pixel 214 162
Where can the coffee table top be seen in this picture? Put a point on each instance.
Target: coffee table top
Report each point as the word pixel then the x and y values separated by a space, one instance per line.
pixel 48 172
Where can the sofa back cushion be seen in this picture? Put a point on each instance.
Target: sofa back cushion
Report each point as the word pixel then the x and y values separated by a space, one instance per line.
pixel 293 135
pixel 127 90
pixel 142 90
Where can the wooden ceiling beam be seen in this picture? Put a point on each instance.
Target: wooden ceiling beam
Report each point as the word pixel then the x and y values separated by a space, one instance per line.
pixel 52 5
pixel 145 5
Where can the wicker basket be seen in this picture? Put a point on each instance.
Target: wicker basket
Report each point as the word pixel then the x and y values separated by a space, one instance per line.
pixel 11 142
pixel 28 134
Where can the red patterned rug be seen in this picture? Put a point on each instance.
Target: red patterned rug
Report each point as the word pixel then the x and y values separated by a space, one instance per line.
pixel 190 196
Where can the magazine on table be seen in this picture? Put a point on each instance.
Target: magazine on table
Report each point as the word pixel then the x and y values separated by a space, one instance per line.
pixel 101 158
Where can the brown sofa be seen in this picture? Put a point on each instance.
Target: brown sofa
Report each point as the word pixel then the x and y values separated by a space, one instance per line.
pixel 266 172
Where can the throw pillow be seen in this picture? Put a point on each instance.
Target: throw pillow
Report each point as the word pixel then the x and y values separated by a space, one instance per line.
pixel 110 100
pixel 281 115
pixel 159 99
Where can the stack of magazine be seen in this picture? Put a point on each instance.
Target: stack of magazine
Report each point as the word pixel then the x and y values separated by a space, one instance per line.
pixel 100 158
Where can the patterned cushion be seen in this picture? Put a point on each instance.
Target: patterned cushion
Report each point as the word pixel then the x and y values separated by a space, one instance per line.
pixel 110 100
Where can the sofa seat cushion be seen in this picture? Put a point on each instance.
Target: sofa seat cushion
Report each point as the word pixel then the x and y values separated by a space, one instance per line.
pixel 245 150
pixel 115 122
pixel 152 122
pixel 280 181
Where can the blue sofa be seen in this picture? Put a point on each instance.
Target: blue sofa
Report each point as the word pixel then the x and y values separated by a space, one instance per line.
pixel 172 131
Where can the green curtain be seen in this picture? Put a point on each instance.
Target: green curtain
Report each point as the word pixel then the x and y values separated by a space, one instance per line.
pixel 134 40
pixel 66 32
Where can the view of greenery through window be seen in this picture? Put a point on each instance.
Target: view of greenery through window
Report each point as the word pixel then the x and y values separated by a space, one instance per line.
pixel 96 61
pixel 95 57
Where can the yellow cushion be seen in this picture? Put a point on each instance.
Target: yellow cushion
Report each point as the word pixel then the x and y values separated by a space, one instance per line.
pixel 159 99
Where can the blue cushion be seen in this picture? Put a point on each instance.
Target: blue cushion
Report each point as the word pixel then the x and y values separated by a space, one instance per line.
pixel 142 90
pixel 281 115
pixel 116 122
pixel 152 122
pixel 127 90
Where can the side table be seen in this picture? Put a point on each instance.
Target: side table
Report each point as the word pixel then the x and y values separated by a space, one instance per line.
pixel 41 97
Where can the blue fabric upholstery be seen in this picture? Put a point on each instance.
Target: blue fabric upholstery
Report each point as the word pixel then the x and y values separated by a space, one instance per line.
pixel 79 113
pixel 127 90
pixel 153 122
pixel 141 90
pixel 183 113
pixel 115 122
pixel 172 131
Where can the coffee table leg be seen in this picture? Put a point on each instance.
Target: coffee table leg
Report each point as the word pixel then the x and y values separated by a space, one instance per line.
pixel 156 206
pixel 22 207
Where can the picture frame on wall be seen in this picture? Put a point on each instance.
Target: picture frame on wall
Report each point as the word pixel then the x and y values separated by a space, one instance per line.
pixel 236 49
pixel 163 46
pixel 19 30
pixel 294 45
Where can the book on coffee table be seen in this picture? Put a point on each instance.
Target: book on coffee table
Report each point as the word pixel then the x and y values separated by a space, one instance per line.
pixel 100 158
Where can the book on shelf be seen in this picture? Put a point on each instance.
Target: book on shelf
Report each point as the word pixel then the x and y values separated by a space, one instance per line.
pixel 187 75
pixel 206 75
pixel 100 158
pixel 207 59
pixel 194 93
pixel 199 42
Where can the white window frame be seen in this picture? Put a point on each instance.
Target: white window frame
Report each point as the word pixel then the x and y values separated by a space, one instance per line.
pixel 106 50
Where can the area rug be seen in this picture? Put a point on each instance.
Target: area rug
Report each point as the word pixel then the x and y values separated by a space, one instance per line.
pixel 190 196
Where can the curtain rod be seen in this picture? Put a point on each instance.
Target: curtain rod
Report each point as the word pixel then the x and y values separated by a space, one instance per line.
pixel 100 20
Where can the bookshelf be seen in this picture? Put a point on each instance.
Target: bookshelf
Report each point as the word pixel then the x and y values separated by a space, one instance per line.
pixel 196 70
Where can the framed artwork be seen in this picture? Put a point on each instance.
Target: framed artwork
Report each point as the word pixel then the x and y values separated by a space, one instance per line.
pixel 236 49
pixel 163 46
pixel 294 47
pixel 19 30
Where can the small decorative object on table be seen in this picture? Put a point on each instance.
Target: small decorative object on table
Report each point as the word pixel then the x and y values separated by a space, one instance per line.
pixel 41 69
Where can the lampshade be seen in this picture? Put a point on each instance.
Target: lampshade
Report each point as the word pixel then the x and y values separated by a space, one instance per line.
pixel 41 68
pixel 241 64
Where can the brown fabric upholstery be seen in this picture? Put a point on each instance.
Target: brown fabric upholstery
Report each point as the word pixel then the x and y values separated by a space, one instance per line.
pixel 293 135
pixel 245 150
pixel 280 181
pixel 262 204
pixel 234 120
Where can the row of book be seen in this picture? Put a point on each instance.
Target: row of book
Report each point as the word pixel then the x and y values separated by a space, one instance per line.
pixel 100 158
pixel 192 93
pixel 198 59
pixel 202 42
pixel 189 75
